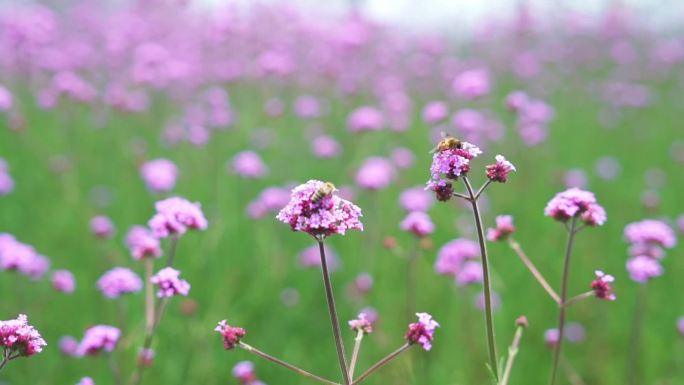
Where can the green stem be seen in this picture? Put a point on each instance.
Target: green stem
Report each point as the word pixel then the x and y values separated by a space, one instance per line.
pixel 355 353
pixel 489 317
pixel 563 298
pixel 512 352
pixel 332 309
pixel 381 363
pixel 533 269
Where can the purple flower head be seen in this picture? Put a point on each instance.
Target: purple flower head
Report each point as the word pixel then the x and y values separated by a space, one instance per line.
pixel 6 183
pixel 270 199
pixel 176 215
pixel 576 203
pixel 435 112
pixel 86 381
pixel 575 178
pixel 307 107
pixel 146 357
pixel 363 283
pixel 361 324
pixel 453 254
pixel 20 338
pixel 415 199
pixel 102 227
pixel 18 256
pixel 642 268
pixel 315 209
pixel 142 243
pixel 551 337
pixel 375 173
pixel 498 172
pixel 5 99
pixel 366 119
pixel 602 286
pixel 243 371
pixel 119 281
pixel 504 228
pixel 516 101
pixel 472 84
pixel 575 332
pixel 418 223
pixel 469 272
pixel 480 301
pixel 680 325
pixel 68 345
pixel 169 283
pixel 159 175
pixel 651 231
pixel 310 257
pixel 231 335
pixel 402 157
pixel 469 121
pixel 447 165
pixel 325 147
pixel 608 168
pixel 422 332
pixel 98 338
pixel 248 164
pixel 63 281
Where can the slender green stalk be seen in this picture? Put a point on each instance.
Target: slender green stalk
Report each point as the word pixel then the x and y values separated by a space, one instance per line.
pixel 579 298
pixel 512 352
pixel 332 309
pixel 284 364
pixel 5 358
pixel 149 296
pixel 173 245
pixel 635 347
pixel 564 296
pixel 533 269
pixel 382 363
pixel 489 317
pixel 116 371
pixel 355 353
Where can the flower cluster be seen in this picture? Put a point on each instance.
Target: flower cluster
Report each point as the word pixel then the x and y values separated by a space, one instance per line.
pixel 18 338
pixel 102 227
pixel 169 283
pixel 175 216
pixel 498 172
pixel 248 164
pixel 159 175
pixel 18 256
pixel 460 259
pixel 319 216
pixel 63 281
pixel 533 117
pixel 86 381
pixel 361 324
pixel 602 286
pixel 415 199
pixel 504 228
pixel 244 372
pixel 576 203
pixel 418 223
pixel 422 332
pixel 271 199
pixel 447 165
pixel 231 334
pixel 142 243
pixel 119 281
pixel 6 181
pixel 98 338
pixel 375 173
pixel 648 240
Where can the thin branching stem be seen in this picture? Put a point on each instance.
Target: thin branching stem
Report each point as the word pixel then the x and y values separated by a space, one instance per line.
pixel 564 296
pixel 512 352
pixel 489 317
pixel 533 269
pixel 579 298
pixel 285 364
pixel 355 353
pixel 382 363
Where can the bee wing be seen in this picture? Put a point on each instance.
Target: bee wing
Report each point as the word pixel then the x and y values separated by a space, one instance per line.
pixel 434 149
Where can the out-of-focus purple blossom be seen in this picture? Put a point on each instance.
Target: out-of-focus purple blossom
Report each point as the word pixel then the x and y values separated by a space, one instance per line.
pixel 504 228
pixel 271 199
pixel 142 243
pixel 576 178
pixel 248 164
pixel 416 199
pixel 5 99
pixel 68 345
pixel 651 231
pixel 650 199
pixel 641 268
pixel 310 257
pixel 102 227
pixel 175 216
pixel 655 178
pixel 17 337
pixel 575 332
pixel 145 357
pixel 402 157
pixel 308 107
pixel 576 203
pixel 159 175
pixel 435 112
pixel 551 337
pixel 680 325
pixel 274 107
pixel 6 181
pixel 451 256
pixel 422 332
pixel 320 217
pixel 98 338
pixel 469 273
pixel 418 223
pixel 468 121
pixel 289 296
pixel 472 84
pixel 363 283
pixel 18 256
pixel 243 371
pixel 480 301
pixel 169 283
pixel 63 281
pixel 366 119
pixel 608 168
pixel 375 173
pixel 325 147
pixel 516 101
pixel 371 314
pixel 119 281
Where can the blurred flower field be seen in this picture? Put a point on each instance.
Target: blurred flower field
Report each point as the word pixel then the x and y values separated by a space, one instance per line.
pixel 146 149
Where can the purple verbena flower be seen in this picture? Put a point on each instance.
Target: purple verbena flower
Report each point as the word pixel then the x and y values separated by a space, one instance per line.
pixel 169 283
pixel 422 332
pixel 119 281
pixel 19 338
